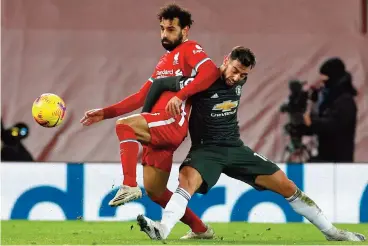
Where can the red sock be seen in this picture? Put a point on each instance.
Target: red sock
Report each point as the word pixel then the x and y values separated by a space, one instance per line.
pixel 129 149
pixel 189 218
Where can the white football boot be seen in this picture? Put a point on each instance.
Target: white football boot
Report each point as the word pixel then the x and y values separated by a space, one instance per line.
pixel 209 234
pixel 153 229
pixel 343 235
pixel 125 194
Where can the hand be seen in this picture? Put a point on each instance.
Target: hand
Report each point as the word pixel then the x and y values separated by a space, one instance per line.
pixel 307 119
pixel 92 116
pixel 173 106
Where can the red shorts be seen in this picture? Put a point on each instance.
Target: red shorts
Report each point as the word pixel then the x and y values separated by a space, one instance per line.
pixel 158 158
pixel 167 133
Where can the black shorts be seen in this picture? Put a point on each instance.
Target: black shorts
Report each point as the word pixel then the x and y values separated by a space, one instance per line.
pixel 240 163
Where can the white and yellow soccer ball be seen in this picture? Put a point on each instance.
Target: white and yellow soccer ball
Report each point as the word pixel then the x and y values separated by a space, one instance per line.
pixel 48 110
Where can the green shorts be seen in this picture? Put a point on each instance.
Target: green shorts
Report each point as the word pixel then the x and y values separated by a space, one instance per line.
pixel 240 163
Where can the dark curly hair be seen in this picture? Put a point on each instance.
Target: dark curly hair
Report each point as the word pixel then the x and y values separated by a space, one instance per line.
pixel 244 55
pixel 171 11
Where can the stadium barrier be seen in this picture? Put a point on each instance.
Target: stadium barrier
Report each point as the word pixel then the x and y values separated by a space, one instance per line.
pixel 60 191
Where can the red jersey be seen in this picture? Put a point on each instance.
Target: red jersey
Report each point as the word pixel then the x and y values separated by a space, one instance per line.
pixel 184 60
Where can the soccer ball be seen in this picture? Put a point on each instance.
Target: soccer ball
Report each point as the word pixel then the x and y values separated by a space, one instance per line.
pixel 48 110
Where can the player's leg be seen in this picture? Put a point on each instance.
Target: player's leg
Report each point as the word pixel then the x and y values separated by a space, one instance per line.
pixel 199 172
pixel 130 131
pixel 175 209
pixel 300 202
pixel 157 129
pixel 305 206
pixel 155 183
pixel 262 173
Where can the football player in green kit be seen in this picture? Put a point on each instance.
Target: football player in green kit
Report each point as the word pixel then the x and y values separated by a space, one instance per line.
pixel 217 148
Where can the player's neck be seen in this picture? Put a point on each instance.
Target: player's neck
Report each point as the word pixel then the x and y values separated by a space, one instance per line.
pixel 185 40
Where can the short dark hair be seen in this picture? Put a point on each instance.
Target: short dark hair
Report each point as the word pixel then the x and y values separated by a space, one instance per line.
pixel 244 55
pixel 171 11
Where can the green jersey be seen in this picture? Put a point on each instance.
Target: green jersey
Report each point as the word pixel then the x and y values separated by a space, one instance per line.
pixel 213 118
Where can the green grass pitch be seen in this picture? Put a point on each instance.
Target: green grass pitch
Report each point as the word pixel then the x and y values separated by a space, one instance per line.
pixel 123 233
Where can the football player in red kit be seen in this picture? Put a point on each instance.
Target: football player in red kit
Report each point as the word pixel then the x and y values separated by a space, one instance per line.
pixel 160 132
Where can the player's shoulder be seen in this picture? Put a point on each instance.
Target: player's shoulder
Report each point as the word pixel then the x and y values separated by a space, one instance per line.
pixel 161 60
pixel 191 45
pixel 164 55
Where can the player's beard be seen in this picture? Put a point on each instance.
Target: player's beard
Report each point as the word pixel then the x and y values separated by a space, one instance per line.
pixel 171 45
pixel 228 81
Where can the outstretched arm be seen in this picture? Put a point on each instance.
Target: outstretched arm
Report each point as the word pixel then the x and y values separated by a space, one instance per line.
pixel 129 104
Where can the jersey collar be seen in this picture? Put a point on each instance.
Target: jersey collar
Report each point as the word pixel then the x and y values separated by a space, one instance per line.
pixel 179 45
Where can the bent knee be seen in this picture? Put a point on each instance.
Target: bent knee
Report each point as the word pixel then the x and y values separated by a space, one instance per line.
pixel 124 121
pixel 139 126
pixel 131 120
pixel 190 179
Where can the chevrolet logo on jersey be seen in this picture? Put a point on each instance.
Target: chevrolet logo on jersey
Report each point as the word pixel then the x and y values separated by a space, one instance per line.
pixel 226 106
